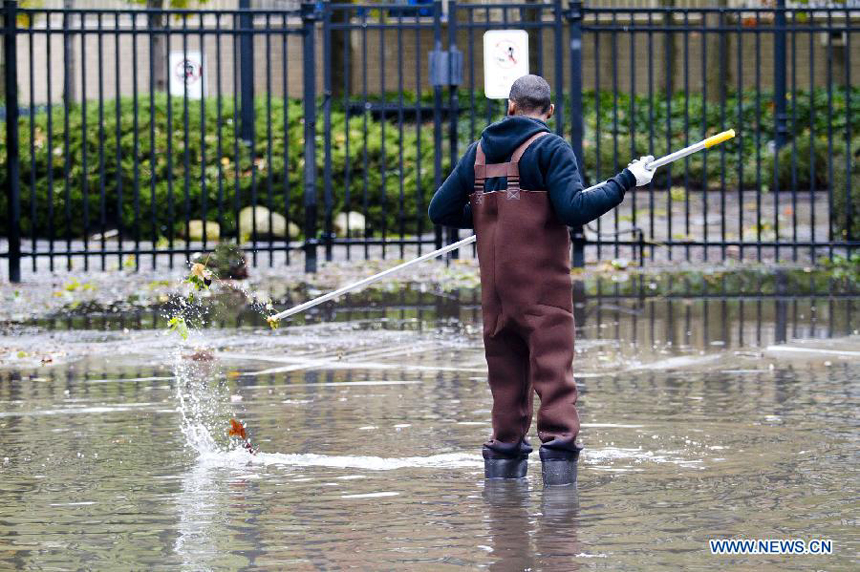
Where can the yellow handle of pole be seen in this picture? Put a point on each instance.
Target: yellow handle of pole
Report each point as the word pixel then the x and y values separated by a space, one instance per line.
pixel 719 138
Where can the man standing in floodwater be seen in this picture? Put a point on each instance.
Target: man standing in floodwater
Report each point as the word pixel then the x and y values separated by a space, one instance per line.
pixel 518 187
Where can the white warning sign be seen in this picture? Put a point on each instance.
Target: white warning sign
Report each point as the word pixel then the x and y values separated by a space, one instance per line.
pixel 186 72
pixel 506 58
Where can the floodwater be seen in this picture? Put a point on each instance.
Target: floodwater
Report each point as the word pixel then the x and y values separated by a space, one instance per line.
pixel 703 418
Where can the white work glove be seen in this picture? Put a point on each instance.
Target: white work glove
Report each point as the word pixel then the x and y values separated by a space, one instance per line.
pixel 643 175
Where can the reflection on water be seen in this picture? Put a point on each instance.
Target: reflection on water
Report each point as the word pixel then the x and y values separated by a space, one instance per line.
pixel 370 433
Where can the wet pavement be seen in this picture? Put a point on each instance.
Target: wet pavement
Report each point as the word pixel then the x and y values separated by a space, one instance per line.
pixel 703 417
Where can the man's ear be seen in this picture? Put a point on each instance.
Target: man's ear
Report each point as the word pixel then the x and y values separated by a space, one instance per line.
pixel 551 110
pixel 512 107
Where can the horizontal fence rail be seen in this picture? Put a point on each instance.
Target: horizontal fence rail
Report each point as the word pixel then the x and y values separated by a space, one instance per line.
pixel 137 138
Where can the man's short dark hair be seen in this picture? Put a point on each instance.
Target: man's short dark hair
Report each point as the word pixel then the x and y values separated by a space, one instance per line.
pixel 531 93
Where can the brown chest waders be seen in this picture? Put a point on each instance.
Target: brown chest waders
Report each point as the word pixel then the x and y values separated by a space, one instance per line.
pixel 526 296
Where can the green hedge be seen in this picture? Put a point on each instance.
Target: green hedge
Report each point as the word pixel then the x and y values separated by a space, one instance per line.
pixel 623 135
pixel 267 186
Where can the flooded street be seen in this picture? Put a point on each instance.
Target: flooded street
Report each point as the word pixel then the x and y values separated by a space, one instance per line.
pixel 703 417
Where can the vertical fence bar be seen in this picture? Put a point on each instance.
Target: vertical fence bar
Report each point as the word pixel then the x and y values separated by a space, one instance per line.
pixel 152 156
pixel 597 132
pixel 780 114
pixel 268 169
pixel 757 36
pixel 204 193
pixel 401 215
pixel 186 150
pixel 364 113
pixel 327 94
pixel 453 106
pixel 286 129
pixel 418 120
pixel 50 113
pixel 68 97
pixel 33 200
pixel 136 136
pixel 309 19
pixel 613 51
pixel 830 161
pixel 687 237
pixel 849 201
pixel 559 63
pixel 84 171
pixel 437 112
pixel 246 57
pixel 812 188
pixel 577 234
pixel 101 115
pixel 237 157
pixel 740 138
pixel 779 80
pixel 724 77
pixel 632 122
pixel 13 184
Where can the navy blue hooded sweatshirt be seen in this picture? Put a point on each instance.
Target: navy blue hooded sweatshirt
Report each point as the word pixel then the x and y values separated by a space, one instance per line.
pixel 549 164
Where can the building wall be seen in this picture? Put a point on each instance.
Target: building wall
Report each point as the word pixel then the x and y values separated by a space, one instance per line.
pixel 624 60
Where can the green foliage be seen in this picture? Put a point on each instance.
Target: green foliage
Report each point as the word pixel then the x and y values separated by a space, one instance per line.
pixel 165 192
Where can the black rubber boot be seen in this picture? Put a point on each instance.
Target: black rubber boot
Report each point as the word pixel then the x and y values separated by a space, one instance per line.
pixel 506 468
pixel 506 460
pixel 559 467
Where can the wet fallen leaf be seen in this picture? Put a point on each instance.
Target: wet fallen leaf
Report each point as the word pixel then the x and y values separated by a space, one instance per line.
pixel 177 324
pixel 237 430
pixel 273 322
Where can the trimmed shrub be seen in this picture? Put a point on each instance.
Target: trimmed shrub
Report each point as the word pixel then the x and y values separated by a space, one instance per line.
pixel 182 174
pixel 153 201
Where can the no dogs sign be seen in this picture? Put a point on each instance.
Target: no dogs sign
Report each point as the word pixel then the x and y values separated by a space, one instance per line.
pixel 506 58
pixel 186 74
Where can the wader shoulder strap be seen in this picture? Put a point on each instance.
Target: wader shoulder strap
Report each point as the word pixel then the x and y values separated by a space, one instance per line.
pixel 518 154
pixel 514 175
pixel 480 168
pixel 510 170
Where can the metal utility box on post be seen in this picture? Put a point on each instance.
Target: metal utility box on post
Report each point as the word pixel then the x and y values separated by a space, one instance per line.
pixel 13 184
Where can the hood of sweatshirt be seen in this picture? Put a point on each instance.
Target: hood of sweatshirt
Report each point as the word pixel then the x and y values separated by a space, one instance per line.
pixel 500 139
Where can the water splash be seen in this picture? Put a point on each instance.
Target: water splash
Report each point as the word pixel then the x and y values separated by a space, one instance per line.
pixel 202 391
pixel 202 395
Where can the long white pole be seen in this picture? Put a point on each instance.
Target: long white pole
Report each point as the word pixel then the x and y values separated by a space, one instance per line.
pixel 696 147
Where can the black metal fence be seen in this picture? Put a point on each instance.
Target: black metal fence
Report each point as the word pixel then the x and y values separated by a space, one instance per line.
pixel 138 137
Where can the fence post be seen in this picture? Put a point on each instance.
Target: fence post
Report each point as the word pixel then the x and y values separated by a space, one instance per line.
pixel 246 62
pixel 574 16
pixel 328 199
pixel 559 66
pixel 309 19
pixel 437 112
pixel 779 81
pixel 453 105
pixel 13 184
